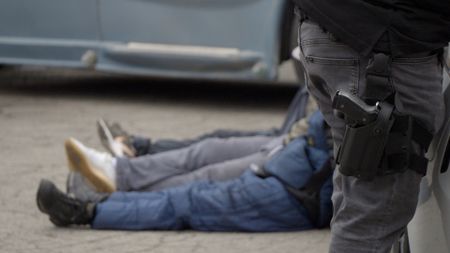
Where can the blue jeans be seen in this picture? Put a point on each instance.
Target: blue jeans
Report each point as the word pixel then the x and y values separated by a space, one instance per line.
pixel 248 203
pixel 370 216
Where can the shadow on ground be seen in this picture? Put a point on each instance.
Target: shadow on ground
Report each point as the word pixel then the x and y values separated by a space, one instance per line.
pixel 85 84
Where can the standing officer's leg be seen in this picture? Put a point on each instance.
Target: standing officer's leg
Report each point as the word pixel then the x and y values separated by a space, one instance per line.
pixel 370 215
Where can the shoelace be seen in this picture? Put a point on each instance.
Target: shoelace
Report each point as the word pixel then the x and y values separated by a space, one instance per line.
pixel 79 209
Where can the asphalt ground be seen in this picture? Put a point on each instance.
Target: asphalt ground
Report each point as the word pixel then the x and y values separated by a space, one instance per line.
pixel 40 109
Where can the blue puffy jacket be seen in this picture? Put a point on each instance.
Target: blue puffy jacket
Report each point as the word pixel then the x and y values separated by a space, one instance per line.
pixel 299 161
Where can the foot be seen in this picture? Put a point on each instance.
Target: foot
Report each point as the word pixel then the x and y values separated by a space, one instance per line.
pixel 97 167
pixel 78 187
pixel 115 139
pixel 62 209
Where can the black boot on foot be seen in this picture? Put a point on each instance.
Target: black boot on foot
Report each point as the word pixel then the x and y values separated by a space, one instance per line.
pixel 62 209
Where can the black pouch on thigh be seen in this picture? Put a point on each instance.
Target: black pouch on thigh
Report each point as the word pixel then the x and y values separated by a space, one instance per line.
pixel 363 146
pixel 378 139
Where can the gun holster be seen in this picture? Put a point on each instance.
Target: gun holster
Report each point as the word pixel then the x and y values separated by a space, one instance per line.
pixel 363 147
pixel 390 144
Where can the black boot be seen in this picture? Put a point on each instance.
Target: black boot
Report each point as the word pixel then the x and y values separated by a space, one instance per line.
pixel 62 209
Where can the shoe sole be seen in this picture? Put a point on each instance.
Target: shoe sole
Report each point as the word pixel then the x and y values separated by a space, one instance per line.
pixel 44 188
pixel 107 139
pixel 78 162
pixel 105 135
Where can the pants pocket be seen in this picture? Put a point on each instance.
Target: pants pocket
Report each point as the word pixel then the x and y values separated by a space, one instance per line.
pixel 330 65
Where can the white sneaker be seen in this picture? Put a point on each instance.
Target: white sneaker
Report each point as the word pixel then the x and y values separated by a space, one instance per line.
pixel 97 167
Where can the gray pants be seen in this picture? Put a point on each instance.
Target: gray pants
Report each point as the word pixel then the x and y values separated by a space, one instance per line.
pixel 215 159
pixel 369 216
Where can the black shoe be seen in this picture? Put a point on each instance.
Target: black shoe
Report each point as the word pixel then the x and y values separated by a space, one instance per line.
pixel 62 209
pixel 81 189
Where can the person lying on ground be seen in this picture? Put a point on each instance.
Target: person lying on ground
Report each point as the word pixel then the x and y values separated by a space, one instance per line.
pixel 215 159
pixel 120 143
pixel 289 191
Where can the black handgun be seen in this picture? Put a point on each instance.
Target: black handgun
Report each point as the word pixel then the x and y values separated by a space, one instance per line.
pixel 356 111
pixel 366 135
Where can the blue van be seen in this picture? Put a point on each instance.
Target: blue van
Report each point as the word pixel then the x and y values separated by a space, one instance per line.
pixel 212 39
